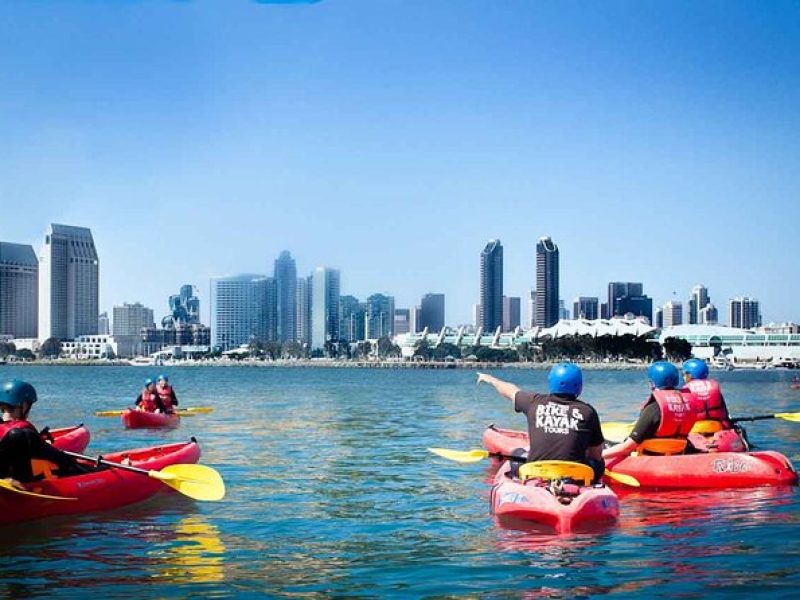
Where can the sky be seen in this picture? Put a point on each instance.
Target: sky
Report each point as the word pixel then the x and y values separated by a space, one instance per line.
pixel 653 141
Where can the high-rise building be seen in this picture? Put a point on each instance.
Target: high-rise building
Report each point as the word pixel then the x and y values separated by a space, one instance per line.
pixel 563 311
pixel 413 319
pixel 130 319
pixel 103 324
pixel 351 319
pixel 19 291
pixel 401 319
pixel 628 298
pixel 431 313
pixel 531 323
pixel 708 315
pixel 697 301
pixel 491 304
pixel 511 313
pixel 659 318
pixel 744 312
pixel 672 313
pixel 303 310
pixel 324 307
pixel 69 290
pixel 546 283
pixel 476 315
pixel 184 308
pixel 379 317
pixel 586 307
pixel 239 310
pixel 286 301
pixel 604 312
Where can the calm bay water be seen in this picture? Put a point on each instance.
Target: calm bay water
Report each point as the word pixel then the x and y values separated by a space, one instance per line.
pixel 331 492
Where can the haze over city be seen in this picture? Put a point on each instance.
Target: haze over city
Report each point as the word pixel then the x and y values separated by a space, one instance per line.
pixel 392 141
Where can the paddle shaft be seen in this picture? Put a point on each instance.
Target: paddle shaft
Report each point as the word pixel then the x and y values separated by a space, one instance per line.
pixel 754 418
pixel 102 461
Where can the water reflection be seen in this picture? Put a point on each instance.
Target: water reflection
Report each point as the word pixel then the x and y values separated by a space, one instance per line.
pixel 194 555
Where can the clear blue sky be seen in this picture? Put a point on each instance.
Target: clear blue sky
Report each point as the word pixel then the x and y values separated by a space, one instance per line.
pixel 654 141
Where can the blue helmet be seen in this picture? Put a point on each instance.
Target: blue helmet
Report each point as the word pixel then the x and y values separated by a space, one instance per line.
pixel 16 391
pixel 565 378
pixel 695 367
pixel 663 375
pixel 163 377
pixel 148 381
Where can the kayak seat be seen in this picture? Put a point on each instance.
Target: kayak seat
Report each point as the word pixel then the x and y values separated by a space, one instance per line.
pixel 43 469
pixel 706 427
pixel 662 446
pixel 557 469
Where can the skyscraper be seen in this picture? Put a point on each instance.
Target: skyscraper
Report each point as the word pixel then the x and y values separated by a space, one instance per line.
pixel 697 302
pixel 413 319
pixel 401 321
pixel 546 283
pixel 708 315
pixel 563 311
pixel 351 319
pixel 130 319
pixel 586 307
pixel 239 310
pixel 431 314
pixel 672 313
pixel 286 304
pixel 628 297
pixel 103 324
pixel 324 307
pixel 744 312
pixel 303 310
pixel 68 283
pixel 19 290
pixel 491 304
pixel 531 309
pixel 511 313
pixel 380 316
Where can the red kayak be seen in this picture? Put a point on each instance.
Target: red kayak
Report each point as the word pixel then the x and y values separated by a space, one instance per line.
pixel 71 439
pixel 139 419
pixel 101 490
pixel 682 471
pixel 561 507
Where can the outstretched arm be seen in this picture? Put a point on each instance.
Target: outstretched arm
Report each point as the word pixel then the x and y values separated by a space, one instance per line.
pixel 504 388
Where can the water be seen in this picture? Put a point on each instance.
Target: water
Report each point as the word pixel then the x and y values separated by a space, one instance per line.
pixel 331 493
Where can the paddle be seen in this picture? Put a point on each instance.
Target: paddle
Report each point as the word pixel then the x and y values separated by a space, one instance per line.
pixel 5 484
pixel 196 481
pixel 476 455
pixel 184 412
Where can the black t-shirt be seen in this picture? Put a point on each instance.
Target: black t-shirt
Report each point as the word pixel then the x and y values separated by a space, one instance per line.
pixel 647 423
pixel 560 427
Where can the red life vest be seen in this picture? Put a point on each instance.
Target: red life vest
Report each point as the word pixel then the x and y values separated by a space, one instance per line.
pixel 678 413
pixel 165 394
pixel 148 403
pixel 713 406
pixel 9 425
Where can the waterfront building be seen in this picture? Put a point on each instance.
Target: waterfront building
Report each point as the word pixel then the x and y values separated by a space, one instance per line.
pixel 303 310
pixel 401 321
pixel 708 315
pixel 379 318
pixel 68 283
pixel 785 328
pixel 239 310
pixel 511 312
pixel 286 297
pixel 431 314
pixel 531 322
pixel 563 311
pixel 659 317
pixel 744 312
pixel 698 300
pixel 672 313
pixel 547 286
pixel 585 307
pixel 19 291
pixel 628 297
pixel 414 320
pixel 491 288
pixel 604 310
pixel 476 316
pixel 324 307
pixel 130 319
pixel 184 308
pixel 103 324
pixel 351 319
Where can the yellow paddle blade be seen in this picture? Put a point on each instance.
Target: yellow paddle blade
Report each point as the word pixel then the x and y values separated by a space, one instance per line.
pixel 622 478
pixel 108 413
pixel 615 431
pixel 196 481
pixel 196 410
pixel 793 417
pixel 463 456
pixel 8 486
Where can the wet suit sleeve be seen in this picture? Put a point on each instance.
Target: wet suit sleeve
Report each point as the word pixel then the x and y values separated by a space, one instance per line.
pixel 19 446
pixel 647 424
pixel 138 400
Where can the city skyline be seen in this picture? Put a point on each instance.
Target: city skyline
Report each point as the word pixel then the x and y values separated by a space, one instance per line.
pixel 570 122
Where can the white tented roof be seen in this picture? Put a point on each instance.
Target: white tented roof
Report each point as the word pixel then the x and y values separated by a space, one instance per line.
pixel 597 328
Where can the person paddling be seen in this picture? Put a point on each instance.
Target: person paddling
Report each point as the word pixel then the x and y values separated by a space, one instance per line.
pixel 21 445
pixel 667 413
pixel 148 400
pixel 166 394
pixel 560 427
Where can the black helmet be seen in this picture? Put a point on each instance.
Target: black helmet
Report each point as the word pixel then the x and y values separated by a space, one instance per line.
pixel 16 391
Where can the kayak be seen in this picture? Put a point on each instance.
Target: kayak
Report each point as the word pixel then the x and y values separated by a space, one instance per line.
pixel 139 419
pixel 71 439
pixel 681 471
pixel 100 490
pixel 562 507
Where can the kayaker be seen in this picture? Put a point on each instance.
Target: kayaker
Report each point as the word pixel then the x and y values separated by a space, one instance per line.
pixel 667 413
pixel 148 400
pixel 20 442
pixel 560 427
pixel 166 394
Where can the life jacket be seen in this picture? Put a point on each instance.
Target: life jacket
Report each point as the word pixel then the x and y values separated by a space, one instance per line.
pixel 9 425
pixel 165 394
pixel 708 393
pixel 678 413
pixel 40 469
pixel 148 403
